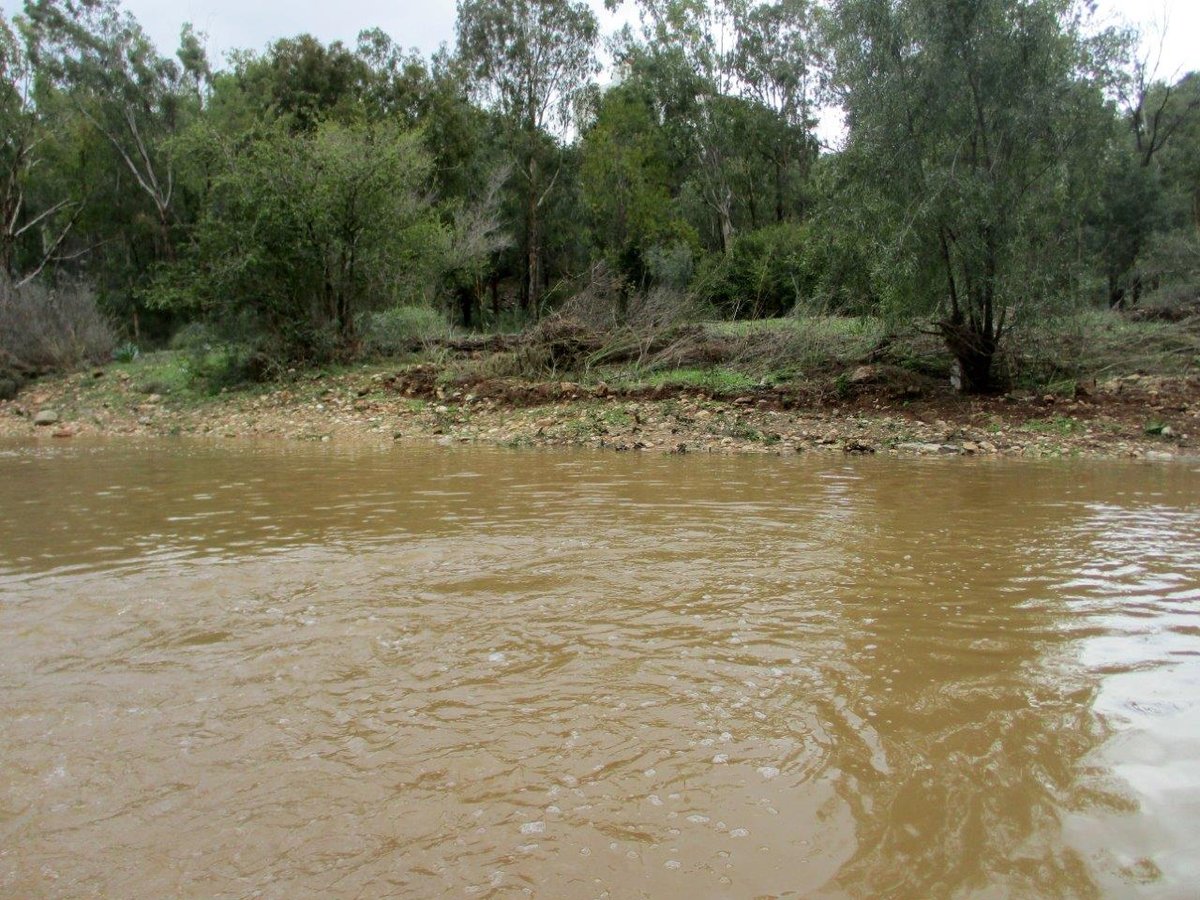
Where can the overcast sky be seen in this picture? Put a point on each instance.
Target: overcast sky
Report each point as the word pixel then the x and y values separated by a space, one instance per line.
pixel 424 24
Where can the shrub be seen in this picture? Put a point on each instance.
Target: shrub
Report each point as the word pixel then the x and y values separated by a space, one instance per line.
pixel 51 328
pixel 195 337
pixel 126 353
pixel 765 274
pixel 400 328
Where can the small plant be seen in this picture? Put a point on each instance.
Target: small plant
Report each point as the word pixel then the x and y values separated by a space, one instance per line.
pixel 1059 425
pixel 618 418
pixel 126 353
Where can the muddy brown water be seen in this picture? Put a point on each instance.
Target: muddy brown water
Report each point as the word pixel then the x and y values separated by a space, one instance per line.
pixel 303 671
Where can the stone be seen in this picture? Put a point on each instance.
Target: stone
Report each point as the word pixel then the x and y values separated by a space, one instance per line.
pixel 858 447
pixel 1159 456
pixel 45 418
pixel 926 449
pixel 864 375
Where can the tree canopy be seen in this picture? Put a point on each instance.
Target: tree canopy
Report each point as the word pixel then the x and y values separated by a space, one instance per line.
pixel 999 159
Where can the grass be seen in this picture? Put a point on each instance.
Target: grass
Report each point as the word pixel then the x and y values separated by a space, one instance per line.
pixel 1102 344
pixel 1060 426
pixel 727 359
pixel 718 381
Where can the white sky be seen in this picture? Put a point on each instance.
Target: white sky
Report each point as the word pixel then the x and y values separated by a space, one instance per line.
pixel 424 24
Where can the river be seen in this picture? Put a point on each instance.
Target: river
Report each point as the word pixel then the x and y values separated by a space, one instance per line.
pixel 300 670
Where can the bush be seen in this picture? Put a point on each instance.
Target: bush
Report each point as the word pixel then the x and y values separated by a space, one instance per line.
pixel 45 329
pixel 126 353
pixel 399 329
pixel 765 274
pixel 195 337
pixel 229 366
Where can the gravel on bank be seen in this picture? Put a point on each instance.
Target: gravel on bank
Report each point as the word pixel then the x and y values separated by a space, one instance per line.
pixel 1141 417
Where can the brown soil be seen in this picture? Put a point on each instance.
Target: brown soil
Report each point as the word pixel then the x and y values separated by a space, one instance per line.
pixel 878 410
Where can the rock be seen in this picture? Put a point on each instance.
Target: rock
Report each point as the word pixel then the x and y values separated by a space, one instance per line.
pixel 601 390
pixel 927 449
pixel 1167 431
pixel 46 417
pixel 864 375
pixel 1159 456
pixel 857 447
pixel 971 447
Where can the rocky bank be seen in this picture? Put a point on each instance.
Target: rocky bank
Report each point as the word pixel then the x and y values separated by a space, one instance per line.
pixel 1152 418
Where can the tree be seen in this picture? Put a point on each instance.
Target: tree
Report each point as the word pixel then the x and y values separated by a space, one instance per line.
pixel 102 59
pixel 31 232
pixel 529 60
pixel 780 61
pixel 626 180
pixel 970 122
pixel 303 232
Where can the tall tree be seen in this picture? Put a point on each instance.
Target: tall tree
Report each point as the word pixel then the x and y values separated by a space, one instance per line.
pixel 100 57
pixel 37 225
pixel 967 120
pixel 780 62
pixel 529 60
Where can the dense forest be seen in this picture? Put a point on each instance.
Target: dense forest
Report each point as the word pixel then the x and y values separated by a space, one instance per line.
pixel 1001 160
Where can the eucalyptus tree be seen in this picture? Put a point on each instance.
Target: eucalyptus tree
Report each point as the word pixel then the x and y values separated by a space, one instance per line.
pixel 529 60
pixel 100 57
pixel 972 124
pixel 36 214
pixel 781 63
pixel 688 46
pixel 737 78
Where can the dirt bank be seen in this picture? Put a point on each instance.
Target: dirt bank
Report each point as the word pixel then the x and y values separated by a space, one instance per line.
pixel 1155 418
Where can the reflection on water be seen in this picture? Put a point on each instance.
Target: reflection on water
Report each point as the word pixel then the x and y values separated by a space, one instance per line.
pixel 296 671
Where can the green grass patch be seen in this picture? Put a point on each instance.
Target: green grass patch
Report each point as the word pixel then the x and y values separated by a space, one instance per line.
pixel 1060 426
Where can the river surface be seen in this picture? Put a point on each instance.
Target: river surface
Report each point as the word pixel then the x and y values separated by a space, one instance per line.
pixel 302 671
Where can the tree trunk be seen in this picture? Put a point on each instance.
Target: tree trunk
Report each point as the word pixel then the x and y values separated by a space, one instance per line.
pixel 1116 293
pixel 778 191
pixel 725 223
pixel 974 351
pixel 466 305
pixel 533 263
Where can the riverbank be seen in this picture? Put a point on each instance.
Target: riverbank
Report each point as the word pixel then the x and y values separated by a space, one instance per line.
pixel 873 409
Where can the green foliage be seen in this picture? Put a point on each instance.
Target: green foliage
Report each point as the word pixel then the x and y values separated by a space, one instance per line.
pixel 304 232
pixel 973 126
pixel 126 353
pixel 314 200
pixel 397 330
pixel 765 274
